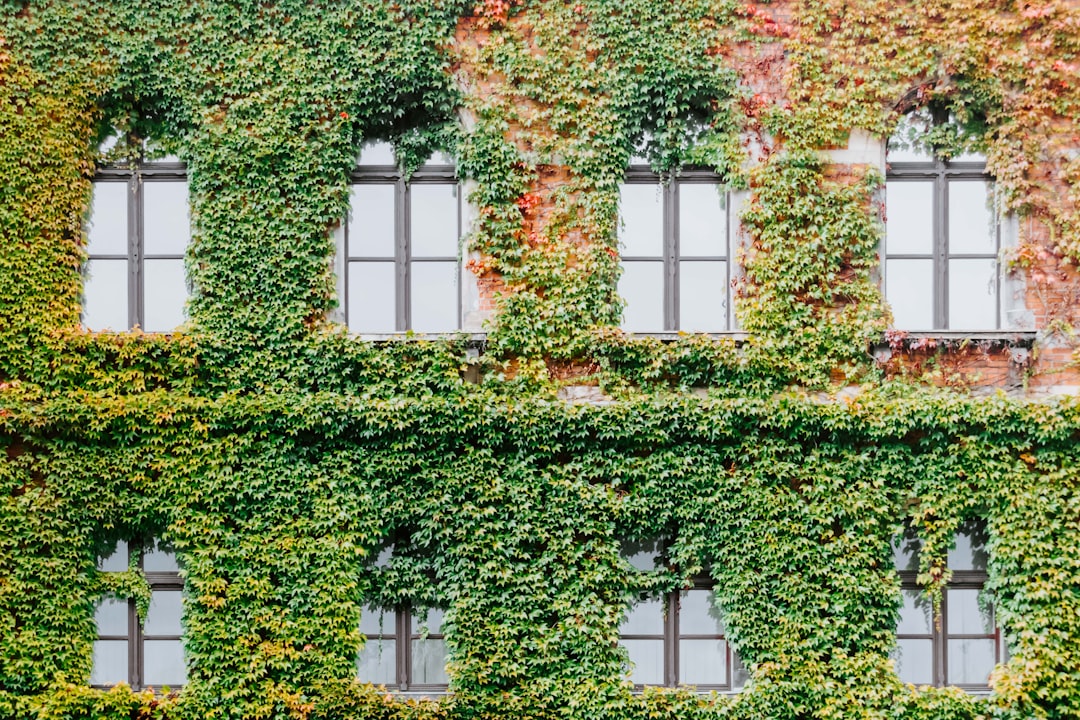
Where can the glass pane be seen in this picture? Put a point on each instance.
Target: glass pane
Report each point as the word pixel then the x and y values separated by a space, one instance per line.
pixel 374 622
pixel 641 555
pixel 702 220
pixel 112 617
pixel 163 617
pixel 644 618
pixel 971 221
pixel 429 662
pixel 371 297
pixel 970 550
pixel 703 293
pixel 117 561
pixel 916 613
pixel 163 663
pixel 909 289
pixel 434 222
pixel 973 294
pixel 165 295
pixel 970 661
pixel 377 152
pixel 698 614
pixel 912 125
pixel 156 559
pixel 703 662
pixel 914 661
pixel 371 221
pixel 963 616
pixel 646 661
pixel 642 286
pixel 434 296
pixel 432 621
pixel 110 662
pixel 166 221
pixel 377 662
pixel 740 675
pixel 906 553
pixel 641 220
pixel 105 295
pixel 107 227
pixel 909 213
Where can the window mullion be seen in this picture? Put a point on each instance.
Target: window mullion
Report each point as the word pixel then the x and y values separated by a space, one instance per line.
pixel 941 634
pixel 671 253
pixel 403 617
pixel 135 231
pixel 402 230
pixel 941 248
pixel 671 640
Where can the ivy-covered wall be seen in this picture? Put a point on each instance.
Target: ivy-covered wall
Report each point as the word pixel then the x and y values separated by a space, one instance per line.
pixel 278 455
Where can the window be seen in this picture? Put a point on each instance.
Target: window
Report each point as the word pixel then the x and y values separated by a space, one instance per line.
pixel 680 639
pixel 941 243
pixel 137 233
pixel 675 252
pixel 419 664
pixel 397 258
pixel 150 654
pixel 965 646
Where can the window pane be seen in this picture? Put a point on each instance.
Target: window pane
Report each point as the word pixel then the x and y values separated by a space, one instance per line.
pixel 432 620
pixel 970 661
pixel 434 296
pixel 112 617
pixel 117 561
pixel 166 221
pixel 973 294
pixel 702 220
pixel 644 618
pixel 641 220
pixel 374 622
pixel 698 614
pixel 646 661
pixel 165 295
pixel 641 555
pixel 703 290
pixel 377 662
pixel 110 662
pixel 642 286
pixel 163 663
pixel 703 662
pixel 906 553
pixel 163 617
pixel 107 228
pixel 105 295
pixel 963 616
pixel 371 297
pixel 371 221
pixel 970 550
pixel 429 662
pixel 157 560
pixel 971 221
pixel 909 289
pixel 916 613
pixel 434 221
pixel 377 152
pixel 914 661
pixel 909 213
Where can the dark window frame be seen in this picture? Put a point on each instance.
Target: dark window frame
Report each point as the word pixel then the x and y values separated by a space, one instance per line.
pixel 134 174
pixel 672 637
pixel 942 173
pixel 381 174
pixel 671 256
pixel 136 635
pixel 405 628
pixel 939 630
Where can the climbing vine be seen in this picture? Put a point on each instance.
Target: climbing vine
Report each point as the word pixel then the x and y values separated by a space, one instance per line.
pixel 280 456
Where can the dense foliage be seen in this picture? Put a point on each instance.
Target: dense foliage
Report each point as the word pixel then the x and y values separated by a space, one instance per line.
pixel 279 456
